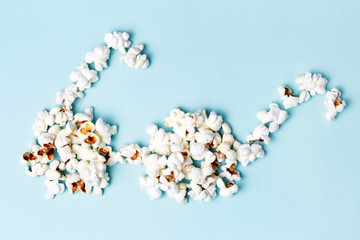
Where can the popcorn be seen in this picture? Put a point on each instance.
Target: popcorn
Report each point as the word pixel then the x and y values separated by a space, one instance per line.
pixel 118 40
pixel 133 58
pixel 53 188
pixel 226 190
pixel 83 76
pixel 68 96
pixel 304 96
pixel 289 100
pixel 214 122
pixel 260 134
pixel 81 144
pixel 313 83
pixel 170 156
pixel 275 115
pixel 174 117
pixel 41 124
pixel 105 131
pixel 246 153
pixel 132 153
pixel 333 104
pixel 98 56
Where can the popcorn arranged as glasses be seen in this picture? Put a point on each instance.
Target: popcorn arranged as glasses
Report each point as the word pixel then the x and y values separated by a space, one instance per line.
pixel 171 157
pixel 333 104
pixel 199 156
pixel 82 145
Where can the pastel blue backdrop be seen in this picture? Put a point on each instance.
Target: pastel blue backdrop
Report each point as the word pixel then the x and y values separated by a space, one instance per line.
pixel 227 56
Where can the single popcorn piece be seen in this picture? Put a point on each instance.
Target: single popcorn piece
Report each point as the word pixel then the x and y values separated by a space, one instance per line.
pixel 333 103
pixel 68 96
pixel 133 58
pixel 313 83
pixel 289 100
pixel 260 134
pixel 118 40
pixel 226 190
pixel 105 131
pixel 246 153
pixel 83 76
pixel 275 115
pixel 98 56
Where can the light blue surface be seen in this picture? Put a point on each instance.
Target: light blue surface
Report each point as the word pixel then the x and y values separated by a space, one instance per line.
pixel 227 56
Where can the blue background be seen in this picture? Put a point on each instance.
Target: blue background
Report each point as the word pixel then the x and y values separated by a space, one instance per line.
pixel 227 56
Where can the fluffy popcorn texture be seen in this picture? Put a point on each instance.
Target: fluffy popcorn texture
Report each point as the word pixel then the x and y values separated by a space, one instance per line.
pixel 289 100
pixel 83 154
pixel 333 103
pixel 118 40
pixel 313 83
pixel 169 159
pixel 99 57
pixel 260 134
pixel 275 116
pixel 133 58
pixel 84 76
pixel 68 96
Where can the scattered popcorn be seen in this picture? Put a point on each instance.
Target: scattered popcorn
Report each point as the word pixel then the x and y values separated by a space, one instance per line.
pixel 133 58
pixel 333 104
pixel 313 83
pixel 98 56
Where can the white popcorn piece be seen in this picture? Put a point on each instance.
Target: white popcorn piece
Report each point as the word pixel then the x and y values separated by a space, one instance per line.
pixel 105 131
pixel 118 40
pixel 98 56
pixel 246 153
pixel 133 58
pixel 214 121
pixel 313 83
pixel 174 117
pixel 83 76
pixel 229 172
pixel 88 115
pixel 228 189
pixel 41 124
pixel 159 142
pixel 304 96
pixel 333 103
pixel 275 116
pixel 53 188
pixel 132 153
pixel 289 100
pixel 68 96
pixel 260 134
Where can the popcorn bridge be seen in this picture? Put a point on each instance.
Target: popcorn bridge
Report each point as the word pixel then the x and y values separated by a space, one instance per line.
pixel 83 144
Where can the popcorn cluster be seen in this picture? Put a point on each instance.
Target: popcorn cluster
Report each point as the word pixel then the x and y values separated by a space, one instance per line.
pixel 199 156
pixel 82 145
